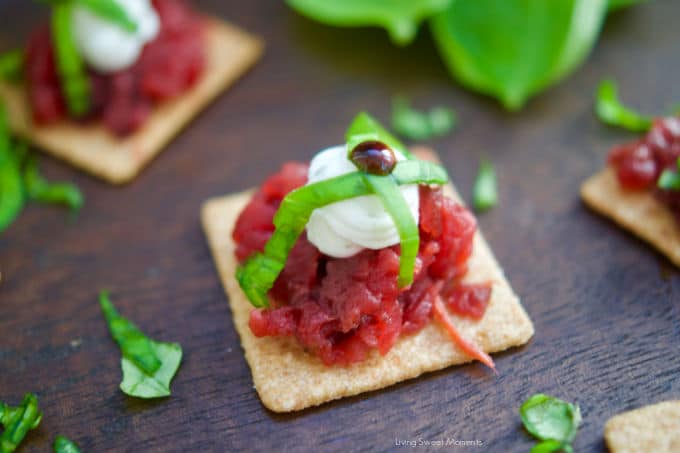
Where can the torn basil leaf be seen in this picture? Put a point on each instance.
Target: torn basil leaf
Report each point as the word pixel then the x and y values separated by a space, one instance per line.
pixel 417 125
pixel 550 420
pixel 485 192
pixel 399 17
pixel 513 49
pixel 64 445
pixel 611 111
pixel 39 189
pixel 18 421
pixel 148 366
pixel 11 186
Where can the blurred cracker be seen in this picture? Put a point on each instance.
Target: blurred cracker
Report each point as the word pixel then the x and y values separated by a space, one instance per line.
pixel 637 211
pixel 229 53
pixel 654 428
pixel 289 379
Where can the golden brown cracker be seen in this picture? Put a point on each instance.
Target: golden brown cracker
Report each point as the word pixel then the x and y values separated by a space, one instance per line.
pixel 288 379
pixel 637 211
pixel 654 428
pixel 229 52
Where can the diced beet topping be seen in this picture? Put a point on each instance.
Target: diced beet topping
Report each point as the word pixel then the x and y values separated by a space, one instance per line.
pixel 340 309
pixel 639 164
pixel 168 66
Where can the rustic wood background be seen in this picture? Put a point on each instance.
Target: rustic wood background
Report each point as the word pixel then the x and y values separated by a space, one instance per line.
pixel 605 305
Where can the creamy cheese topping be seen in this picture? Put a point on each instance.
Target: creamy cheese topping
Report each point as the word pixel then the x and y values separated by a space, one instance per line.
pixel 345 228
pixel 108 47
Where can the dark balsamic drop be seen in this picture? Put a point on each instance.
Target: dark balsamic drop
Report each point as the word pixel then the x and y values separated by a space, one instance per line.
pixel 374 157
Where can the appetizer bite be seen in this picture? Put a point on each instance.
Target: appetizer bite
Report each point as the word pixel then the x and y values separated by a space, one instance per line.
pixel 654 428
pixel 356 271
pixel 640 188
pixel 106 84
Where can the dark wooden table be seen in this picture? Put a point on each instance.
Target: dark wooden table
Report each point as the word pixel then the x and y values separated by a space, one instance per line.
pixel 606 306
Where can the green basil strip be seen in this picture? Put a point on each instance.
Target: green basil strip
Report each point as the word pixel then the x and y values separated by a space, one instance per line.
pixel 11 65
pixel 550 419
pixel 365 128
pixel 111 11
pixel 39 189
pixel 258 274
pixel 485 192
pixel 11 188
pixel 611 111
pixel 64 445
pixel 18 421
pixel 399 17
pixel 513 49
pixel 75 84
pixel 133 343
pixel 387 189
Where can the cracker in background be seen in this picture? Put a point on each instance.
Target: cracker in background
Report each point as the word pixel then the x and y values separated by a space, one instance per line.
pixel 637 211
pixel 289 379
pixel 654 428
pixel 229 53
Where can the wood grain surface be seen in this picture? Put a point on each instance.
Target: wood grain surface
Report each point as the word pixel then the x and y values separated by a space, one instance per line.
pixel 606 306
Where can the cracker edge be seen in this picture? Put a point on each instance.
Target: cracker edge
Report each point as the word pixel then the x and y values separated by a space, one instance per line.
pixel 93 149
pixel 272 359
pixel 634 430
pixel 638 212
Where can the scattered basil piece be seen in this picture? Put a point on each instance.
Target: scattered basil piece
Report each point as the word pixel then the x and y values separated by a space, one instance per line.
pixel 11 189
pixel 512 49
pixel 64 445
pixel 148 366
pixel 75 84
pixel 39 189
pixel 552 421
pixel 111 11
pixel 416 125
pixel 11 65
pixel 611 111
pixel 17 421
pixel 485 192
pixel 399 17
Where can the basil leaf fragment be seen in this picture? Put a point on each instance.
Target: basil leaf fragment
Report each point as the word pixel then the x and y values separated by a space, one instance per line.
pixel 64 445
pixel 75 84
pixel 11 188
pixel 111 11
pixel 512 49
pixel 550 420
pixel 669 179
pixel 485 192
pixel 399 17
pixel 11 65
pixel 39 189
pixel 18 421
pixel 148 366
pixel 416 125
pixel 611 111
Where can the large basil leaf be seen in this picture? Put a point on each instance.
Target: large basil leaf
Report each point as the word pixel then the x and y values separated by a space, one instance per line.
pixel 399 17
pixel 512 49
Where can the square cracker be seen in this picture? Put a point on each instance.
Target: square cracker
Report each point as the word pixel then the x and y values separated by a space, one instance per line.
pixel 637 211
pixel 288 379
pixel 229 53
pixel 654 428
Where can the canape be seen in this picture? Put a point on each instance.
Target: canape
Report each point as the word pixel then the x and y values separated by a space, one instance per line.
pixel 640 187
pixel 357 271
pixel 106 88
